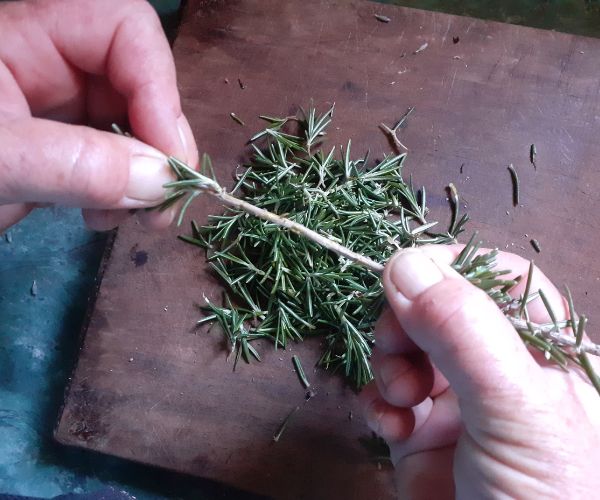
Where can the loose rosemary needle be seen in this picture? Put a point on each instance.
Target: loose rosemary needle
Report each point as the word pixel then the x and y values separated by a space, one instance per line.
pixel 382 19
pixel 237 119
pixel 284 424
pixel 532 155
pixel 300 372
pixel 515 184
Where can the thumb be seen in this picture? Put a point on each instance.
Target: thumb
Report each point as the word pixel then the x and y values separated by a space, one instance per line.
pixel 461 329
pixel 44 161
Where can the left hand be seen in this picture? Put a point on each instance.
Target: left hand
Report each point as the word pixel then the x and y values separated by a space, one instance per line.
pixel 65 63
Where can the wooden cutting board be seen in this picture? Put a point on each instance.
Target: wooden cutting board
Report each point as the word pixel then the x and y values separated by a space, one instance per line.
pixel 150 389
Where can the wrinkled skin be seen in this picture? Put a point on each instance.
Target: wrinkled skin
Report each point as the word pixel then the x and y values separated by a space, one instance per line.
pixel 70 67
pixel 467 410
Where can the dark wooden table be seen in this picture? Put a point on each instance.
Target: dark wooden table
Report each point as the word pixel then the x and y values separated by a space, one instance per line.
pixel 147 388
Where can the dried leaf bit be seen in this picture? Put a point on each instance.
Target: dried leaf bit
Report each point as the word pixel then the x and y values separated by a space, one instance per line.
pixel 392 133
pixel 421 48
pixel 300 372
pixel 515 184
pixel 532 155
pixel 237 119
pixel 382 19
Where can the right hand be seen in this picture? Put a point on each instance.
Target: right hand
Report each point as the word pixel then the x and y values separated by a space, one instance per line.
pixel 468 411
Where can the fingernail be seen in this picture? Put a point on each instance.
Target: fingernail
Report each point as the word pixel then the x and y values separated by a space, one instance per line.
pixel 147 176
pixel 156 219
pixel 187 138
pixel 181 124
pixel 413 272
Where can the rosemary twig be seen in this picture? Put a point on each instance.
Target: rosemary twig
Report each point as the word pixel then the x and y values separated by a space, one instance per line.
pixel 202 183
pixel 392 133
pixel 382 19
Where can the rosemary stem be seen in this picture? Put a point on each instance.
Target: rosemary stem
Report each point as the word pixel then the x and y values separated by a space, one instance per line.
pixel 324 241
pixel 557 337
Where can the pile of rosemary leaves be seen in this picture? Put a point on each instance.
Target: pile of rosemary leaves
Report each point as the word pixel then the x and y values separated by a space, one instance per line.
pixel 285 288
pixel 302 244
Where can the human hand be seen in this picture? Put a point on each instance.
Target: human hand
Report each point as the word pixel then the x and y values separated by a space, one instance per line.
pixel 64 64
pixel 467 410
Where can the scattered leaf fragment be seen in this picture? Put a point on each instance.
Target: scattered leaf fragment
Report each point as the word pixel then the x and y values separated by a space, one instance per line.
pixel 237 119
pixel 421 48
pixel 284 424
pixel 382 19
pixel 515 184
pixel 532 155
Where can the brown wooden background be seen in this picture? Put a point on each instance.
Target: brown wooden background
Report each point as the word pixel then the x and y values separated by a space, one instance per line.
pixel 148 389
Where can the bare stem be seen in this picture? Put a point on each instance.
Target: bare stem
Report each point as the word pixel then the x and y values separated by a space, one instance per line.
pixel 548 332
pixel 551 333
pixel 324 241
pixel 392 133
pixel 556 337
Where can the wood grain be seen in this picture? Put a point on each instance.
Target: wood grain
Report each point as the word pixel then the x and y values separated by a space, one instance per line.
pixel 149 389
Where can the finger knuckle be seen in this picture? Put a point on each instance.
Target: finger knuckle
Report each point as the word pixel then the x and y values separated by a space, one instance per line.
pixel 95 174
pixel 450 301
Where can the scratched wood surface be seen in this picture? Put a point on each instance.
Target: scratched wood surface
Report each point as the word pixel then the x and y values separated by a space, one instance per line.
pixel 147 388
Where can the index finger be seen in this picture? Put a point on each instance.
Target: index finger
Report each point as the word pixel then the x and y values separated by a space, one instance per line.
pixel 120 39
